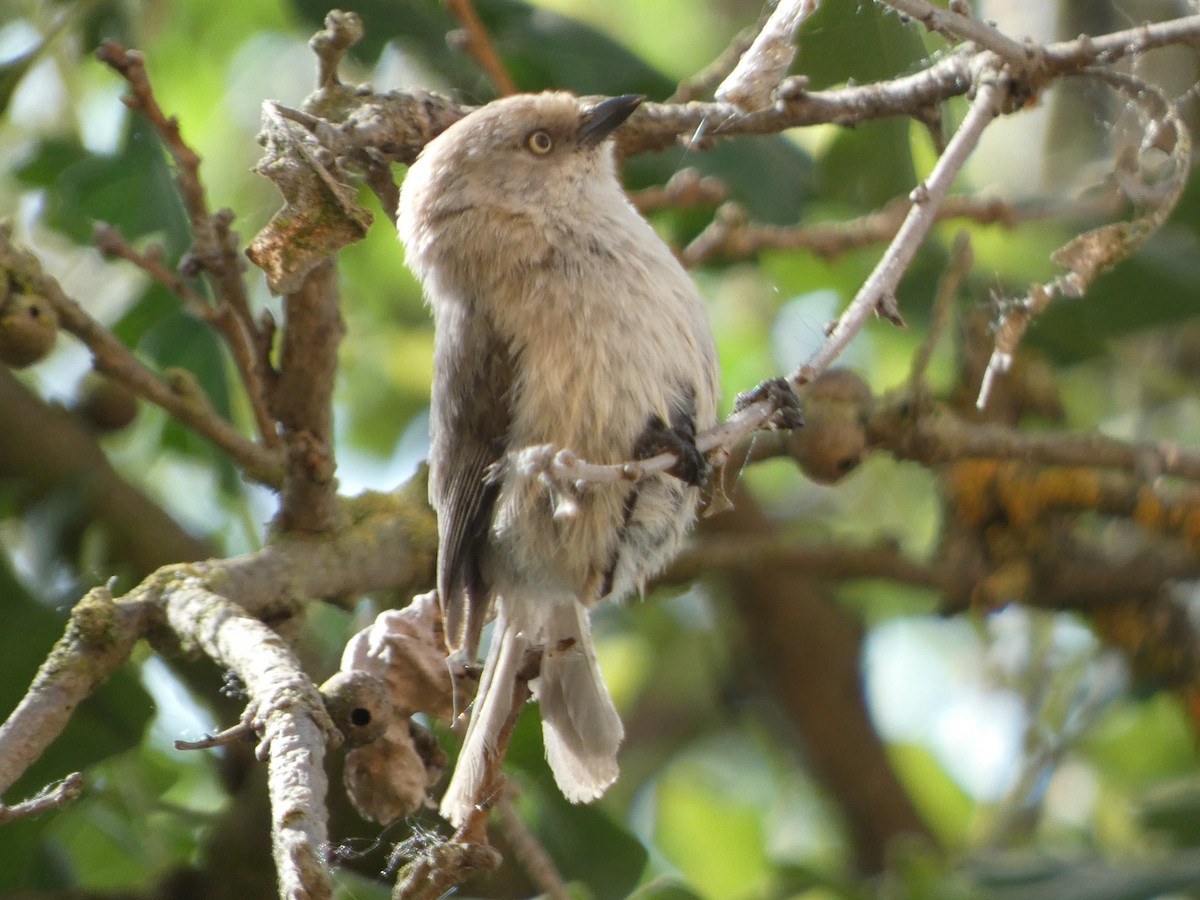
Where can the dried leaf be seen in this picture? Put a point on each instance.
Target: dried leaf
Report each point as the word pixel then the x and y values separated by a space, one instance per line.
pixel 320 213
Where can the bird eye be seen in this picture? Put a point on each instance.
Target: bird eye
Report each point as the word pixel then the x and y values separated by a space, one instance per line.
pixel 539 143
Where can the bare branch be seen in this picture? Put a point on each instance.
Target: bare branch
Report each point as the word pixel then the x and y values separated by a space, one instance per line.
pixel 303 401
pixel 939 436
pixel 341 32
pixel 396 125
pixel 880 286
pixel 215 250
pixel 731 234
pixel 245 355
pixel 54 796
pixel 286 711
pixel 478 43
pixel 955 24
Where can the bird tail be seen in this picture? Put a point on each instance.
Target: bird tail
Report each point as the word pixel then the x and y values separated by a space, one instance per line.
pixel 489 712
pixel 580 725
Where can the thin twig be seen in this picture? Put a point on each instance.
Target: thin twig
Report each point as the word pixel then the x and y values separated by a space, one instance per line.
pixel 478 43
pixel 54 796
pixel 110 242
pixel 215 251
pixel 240 732
pixel 1094 252
pixel 530 853
pixel 180 396
pixel 877 295
pixel 731 234
pixel 961 260
pixel 954 24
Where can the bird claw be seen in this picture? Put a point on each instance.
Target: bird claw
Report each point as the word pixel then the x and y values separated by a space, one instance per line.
pixel 690 466
pixel 786 411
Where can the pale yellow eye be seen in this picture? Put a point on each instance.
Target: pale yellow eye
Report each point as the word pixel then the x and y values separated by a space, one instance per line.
pixel 539 143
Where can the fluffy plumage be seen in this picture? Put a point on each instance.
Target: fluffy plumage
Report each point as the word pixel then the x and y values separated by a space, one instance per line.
pixel 561 318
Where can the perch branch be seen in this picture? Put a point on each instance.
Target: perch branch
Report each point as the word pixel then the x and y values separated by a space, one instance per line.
pixel 564 468
pixel 288 714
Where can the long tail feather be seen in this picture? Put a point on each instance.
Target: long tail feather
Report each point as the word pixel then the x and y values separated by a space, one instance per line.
pixel 491 709
pixel 580 725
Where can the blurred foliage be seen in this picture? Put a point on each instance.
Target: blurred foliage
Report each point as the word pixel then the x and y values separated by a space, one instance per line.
pixel 714 800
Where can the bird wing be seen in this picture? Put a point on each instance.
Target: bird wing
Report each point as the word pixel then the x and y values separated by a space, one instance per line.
pixel 470 419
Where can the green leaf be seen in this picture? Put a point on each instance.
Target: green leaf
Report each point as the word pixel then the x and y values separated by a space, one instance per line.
pixel 131 189
pixel 717 840
pixel 587 844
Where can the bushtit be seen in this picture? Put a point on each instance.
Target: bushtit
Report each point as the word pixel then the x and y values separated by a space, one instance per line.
pixel 561 318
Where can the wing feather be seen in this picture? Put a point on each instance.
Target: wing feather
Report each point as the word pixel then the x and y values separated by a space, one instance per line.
pixel 473 376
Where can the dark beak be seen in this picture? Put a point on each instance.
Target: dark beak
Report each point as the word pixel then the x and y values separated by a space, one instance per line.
pixel 600 121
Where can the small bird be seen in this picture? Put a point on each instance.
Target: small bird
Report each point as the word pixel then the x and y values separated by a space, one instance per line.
pixel 561 318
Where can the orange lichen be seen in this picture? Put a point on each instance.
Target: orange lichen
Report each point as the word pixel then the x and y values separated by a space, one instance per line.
pixel 969 487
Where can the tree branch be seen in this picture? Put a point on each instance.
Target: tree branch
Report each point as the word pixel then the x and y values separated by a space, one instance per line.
pixel 877 295
pixel 287 713
pixel 180 397
pixel 51 449
pixel 303 401
pixel 215 251
pixel 102 632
